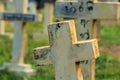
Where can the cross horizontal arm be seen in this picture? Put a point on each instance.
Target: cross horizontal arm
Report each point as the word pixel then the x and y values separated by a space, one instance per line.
pixel 20 17
pixel 42 55
pixel 106 10
pixel 100 10
pixel 86 50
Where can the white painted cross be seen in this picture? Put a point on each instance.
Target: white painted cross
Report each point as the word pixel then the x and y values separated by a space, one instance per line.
pixel 20 17
pixel 66 53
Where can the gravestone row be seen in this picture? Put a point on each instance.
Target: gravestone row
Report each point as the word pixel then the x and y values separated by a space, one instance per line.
pixel 70 64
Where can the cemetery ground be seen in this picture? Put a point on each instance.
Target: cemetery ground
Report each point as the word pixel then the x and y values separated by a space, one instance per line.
pixel 107 65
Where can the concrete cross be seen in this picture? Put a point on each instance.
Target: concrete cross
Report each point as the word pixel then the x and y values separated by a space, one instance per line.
pixel 20 17
pixel 86 14
pixel 66 53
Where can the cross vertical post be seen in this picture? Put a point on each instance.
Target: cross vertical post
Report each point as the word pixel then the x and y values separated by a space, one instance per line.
pixel 19 42
pixel 48 15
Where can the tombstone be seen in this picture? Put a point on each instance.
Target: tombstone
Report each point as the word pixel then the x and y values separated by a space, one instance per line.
pixel 20 17
pixel 66 53
pixel 86 14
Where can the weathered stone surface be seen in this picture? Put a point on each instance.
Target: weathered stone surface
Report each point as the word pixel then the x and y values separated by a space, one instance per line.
pixel 65 52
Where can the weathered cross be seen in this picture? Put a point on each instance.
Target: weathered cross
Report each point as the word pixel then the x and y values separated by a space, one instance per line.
pixel 20 17
pixel 86 13
pixel 66 53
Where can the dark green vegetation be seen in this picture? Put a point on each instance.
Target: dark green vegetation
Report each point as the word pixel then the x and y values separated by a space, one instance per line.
pixel 107 67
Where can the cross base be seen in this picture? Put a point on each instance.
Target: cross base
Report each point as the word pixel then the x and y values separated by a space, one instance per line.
pixel 20 68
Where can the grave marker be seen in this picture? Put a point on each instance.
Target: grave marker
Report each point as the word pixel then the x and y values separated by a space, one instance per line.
pixel 86 14
pixel 20 17
pixel 66 53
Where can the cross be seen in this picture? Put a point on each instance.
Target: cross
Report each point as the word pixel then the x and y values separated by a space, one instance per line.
pixel 20 17
pixel 65 52
pixel 86 14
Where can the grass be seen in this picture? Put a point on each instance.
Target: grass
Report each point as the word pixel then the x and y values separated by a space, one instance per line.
pixel 107 66
pixel 110 36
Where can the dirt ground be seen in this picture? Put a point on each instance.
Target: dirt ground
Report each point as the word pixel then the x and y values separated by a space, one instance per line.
pixel 112 50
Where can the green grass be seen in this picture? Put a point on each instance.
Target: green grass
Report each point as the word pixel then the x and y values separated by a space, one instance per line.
pixel 107 67
pixel 110 36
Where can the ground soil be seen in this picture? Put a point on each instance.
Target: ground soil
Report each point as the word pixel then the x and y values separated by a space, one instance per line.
pixel 112 50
